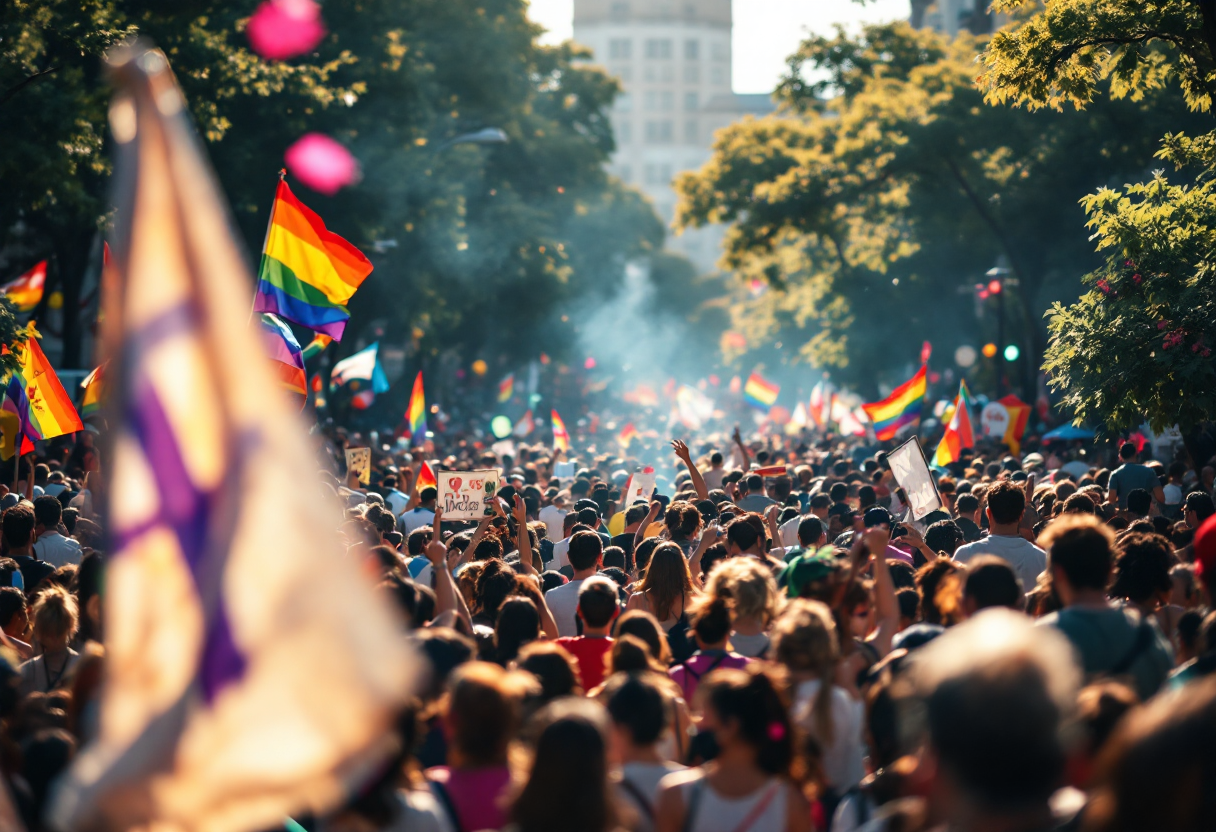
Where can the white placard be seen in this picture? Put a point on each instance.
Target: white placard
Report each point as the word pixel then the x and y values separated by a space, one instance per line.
pixel 563 470
pixel 911 472
pixel 995 419
pixel 359 461
pixel 467 495
pixel 639 487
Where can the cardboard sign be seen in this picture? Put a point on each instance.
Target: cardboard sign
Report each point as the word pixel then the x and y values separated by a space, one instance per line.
pixel 639 487
pixel 467 495
pixel 911 471
pixel 359 461
pixel 563 470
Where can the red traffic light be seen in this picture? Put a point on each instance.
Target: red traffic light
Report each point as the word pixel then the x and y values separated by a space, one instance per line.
pixel 994 287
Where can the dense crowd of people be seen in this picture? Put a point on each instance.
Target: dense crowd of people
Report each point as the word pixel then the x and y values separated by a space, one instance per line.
pixel 769 642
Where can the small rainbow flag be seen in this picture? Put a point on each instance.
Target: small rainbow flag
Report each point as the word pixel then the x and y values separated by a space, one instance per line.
pixel 317 345
pixel 627 435
pixel 959 433
pixel 25 292
pixel 285 355
pixel 561 439
pixel 506 388
pixel 415 414
pixel 524 426
pixel 34 393
pixel 426 477
pixel 900 409
pixel 759 392
pixel 94 386
pixel 307 274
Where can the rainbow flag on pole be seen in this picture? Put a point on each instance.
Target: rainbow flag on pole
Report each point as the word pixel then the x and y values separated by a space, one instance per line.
pixel 506 388
pixel 317 345
pixel 759 392
pixel 561 438
pixel 25 292
pixel 34 393
pixel 307 274
pixel 415 414
pixel 959 433
pixel 900 409
pixel 94 386
pixel 285 354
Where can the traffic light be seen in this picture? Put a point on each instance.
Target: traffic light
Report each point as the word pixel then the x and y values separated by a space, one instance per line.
pixel 1012 352
pixel 989 350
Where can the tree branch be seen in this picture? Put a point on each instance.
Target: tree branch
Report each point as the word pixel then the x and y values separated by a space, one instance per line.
pixel 11 91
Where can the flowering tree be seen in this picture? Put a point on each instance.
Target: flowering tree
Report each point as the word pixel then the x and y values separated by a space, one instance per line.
pixel 1138 345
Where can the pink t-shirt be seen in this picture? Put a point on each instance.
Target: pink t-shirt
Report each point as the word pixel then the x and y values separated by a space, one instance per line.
pixel 688 674
pixel 477 793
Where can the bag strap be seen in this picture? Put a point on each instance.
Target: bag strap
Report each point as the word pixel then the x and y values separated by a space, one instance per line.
pixel 638 798
pixel 758 810
pixel 445 798
pixel 1144 637
pixel 694 800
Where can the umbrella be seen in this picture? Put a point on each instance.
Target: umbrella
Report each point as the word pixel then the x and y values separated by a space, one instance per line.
pixel 1067 433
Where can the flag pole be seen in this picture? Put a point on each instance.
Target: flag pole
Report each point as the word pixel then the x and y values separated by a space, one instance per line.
pixel 265 240
pixel 17 463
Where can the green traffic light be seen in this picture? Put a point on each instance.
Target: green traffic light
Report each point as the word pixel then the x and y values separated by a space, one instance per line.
pixel 1012 352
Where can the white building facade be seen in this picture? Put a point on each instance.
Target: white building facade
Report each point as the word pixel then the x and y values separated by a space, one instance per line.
pixel 673 60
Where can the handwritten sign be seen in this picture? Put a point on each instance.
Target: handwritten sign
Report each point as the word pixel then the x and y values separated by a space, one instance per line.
pixel 467 495
pixel 911 471
pixel 639 487
pixel 359 461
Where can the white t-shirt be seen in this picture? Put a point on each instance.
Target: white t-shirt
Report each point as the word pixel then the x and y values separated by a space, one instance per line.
pixel 411 521
pixel 844 756
pixel 57 550
pixel 396 502
pixel 561 554
pixel 1027 560
pixel 552 517
pixel 789 531
pixel 563 603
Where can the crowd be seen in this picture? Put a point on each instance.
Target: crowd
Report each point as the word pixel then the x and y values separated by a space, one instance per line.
pixel 769 643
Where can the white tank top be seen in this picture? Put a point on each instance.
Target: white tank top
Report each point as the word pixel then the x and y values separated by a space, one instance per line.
pixel 715 813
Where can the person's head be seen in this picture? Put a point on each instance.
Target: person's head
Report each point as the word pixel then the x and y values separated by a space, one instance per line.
pixel 598 603
pixel 742 536
pixel 14 617
pixel 804 640
pixel 586 549
pixel 638 709
pixel 1079 503
pixel 1127 452
pixel 1157 770
pixel 716 459
pixel 1006 503
pixel 749 587
pixel 944 537
pixel 990 582
pixel 1139 502
pixel 744 710
pixel 839 492
pixel 47 512
pixel 997 692
pixel 682 520
pixel 445 650
pixel 646 628
pixel 1197 508
pixel 570 760
pixel 554 668
pixel 494 584
pixel 518 624
pixel 55 618
pixel 820 504
pixel 483 713
pixel 667 580
pixel 1142 570
pixel 636 514
pixel 629 654
pixel 1100 707
pixel 967 505
pixel 940 583
pixel 709 617
pixel 811 533
pixel 18 525
pixel 1079 554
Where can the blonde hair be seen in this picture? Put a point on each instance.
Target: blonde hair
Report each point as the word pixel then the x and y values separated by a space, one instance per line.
pixel 55 614
pixel 804 639
pixel 749 587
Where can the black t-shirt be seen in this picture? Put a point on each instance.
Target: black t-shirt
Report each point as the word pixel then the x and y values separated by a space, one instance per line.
pixel 625 541
pixel 33 572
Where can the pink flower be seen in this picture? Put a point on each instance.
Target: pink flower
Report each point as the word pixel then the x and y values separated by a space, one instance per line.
pixel 1137 279
pixel 1206 352
pixel 1104 286
pixel 282 29
pixel 322 164
pixel 1161 324
pixel 776 731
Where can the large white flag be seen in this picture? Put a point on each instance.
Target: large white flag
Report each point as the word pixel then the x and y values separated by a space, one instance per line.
pixel 251 671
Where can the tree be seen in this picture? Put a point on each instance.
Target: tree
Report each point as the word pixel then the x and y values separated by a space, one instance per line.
pixel 885 188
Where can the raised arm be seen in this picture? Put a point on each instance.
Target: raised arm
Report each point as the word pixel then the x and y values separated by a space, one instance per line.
pixel 747 457
pixel 447 596
pixel 467 555
pixel 885 605
pixel 524 542
pixel 640 534
pixel 709 536
pixel 698 481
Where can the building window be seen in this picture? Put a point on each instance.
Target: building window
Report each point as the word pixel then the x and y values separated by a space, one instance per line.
pixel 692 74
pixel 721 52
pixel 667 101
pixel 658 48
pixel 692 50
pixel 624 133
pixel 620 48
pixel 691 135
pixel 717 75
pixel 658 132
pixel 619 11
pixel 690 101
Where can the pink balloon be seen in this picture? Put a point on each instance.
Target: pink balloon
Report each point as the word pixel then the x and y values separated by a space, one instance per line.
pixel 282 29
pixel 322 163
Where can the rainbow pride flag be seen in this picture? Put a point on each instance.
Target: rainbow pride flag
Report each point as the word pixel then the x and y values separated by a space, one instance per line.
pixel 307 274
pixel 561 438
pixel 285 353
pixel 506 388
pixel 627 435
pixel 900 409
pixel 94 386
pixel 34 393
pixel 415 414
pixel 317 345
pixel 25 292
pixel 760 392
pixel 959 433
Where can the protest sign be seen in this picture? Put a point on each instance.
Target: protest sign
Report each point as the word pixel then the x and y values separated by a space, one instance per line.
pixel 467 495
pixel 639 487
pixel 563 470
pixel 911 472
pixel 359 461
pixel 995 419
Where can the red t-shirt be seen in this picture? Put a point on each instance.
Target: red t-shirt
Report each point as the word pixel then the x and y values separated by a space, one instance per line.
pixel 589 652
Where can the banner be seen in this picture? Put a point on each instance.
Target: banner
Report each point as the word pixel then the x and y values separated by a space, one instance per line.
pixel 467 495
pixel 911 471
pixel 359 461
pixel 639 487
